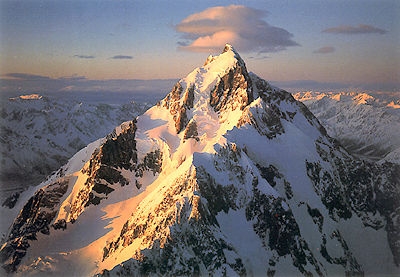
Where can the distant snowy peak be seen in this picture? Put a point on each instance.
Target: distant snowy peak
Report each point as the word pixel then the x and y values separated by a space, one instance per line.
pixel 34 96
pixel 39 133
pixel 394 105
pixel 354 97
pixel 363 99
pixel 366 125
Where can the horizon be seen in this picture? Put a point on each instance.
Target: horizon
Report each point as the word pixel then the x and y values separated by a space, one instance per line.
pixel 307 45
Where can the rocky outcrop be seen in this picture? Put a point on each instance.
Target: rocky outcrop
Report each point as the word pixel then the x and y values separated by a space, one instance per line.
pixel 11 200
pixel 359 187
pixel 233 90
pixel 36 216
pixel 104 169
pixel 177 106
pixel 191 130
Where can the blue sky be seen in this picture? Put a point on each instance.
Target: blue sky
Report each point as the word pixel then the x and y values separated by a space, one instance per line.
pixel 346 42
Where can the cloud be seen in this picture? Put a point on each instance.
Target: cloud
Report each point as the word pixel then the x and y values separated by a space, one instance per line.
pixel 73 78
pixel 14 84
pixel 350 30
pixel 84 57
pixel 243 27
pixel 325 50
pixel 121 57
pixel 258 57
pixel 24 77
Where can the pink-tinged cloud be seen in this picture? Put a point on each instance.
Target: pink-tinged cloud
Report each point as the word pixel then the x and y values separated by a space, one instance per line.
pixel 212 42
pixel 350 30
pixel 325 50
pixel 241 26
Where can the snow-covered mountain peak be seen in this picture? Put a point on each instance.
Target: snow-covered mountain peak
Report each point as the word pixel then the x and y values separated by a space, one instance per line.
pixel 220 86
pixel 228 48
pixel 363 99
pixel 394 105
pixel 225 176
pixel 231 52
pixel 351 97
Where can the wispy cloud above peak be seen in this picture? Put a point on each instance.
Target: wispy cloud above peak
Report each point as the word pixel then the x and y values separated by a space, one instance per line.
pixel 84 56
pixel 351 30
pixel 121 57
pixel 325 50
pixel 241 26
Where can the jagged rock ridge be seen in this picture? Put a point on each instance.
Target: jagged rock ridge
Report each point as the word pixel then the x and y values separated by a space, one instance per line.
pixel 227 175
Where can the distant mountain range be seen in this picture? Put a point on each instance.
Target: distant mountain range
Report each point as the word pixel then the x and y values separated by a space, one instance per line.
pixel 225 176
pixel 368 126
pixel 40 133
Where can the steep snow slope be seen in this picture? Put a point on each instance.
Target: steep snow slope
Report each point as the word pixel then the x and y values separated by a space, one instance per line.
pixel 40 133
pixel 225 176
pixel 366 125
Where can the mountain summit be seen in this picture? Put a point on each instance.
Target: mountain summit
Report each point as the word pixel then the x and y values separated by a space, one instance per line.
pixel 226 175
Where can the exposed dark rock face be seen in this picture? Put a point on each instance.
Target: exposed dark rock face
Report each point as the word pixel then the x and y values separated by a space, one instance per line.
pixel 36 216
pixel 266 120
pixel 191 130
pixel 177 107
pixel 11 200
pixel 274 97
pixel 60 224
pixel 359 187
pixel 151 162
pixel 188 98
pixel 278 230
pixel 276 179
pixel 317 217
pixel 104 170
pixel 270 173
pixel 233 90
pixel 194 226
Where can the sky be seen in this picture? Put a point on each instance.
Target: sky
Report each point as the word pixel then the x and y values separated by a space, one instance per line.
pixel 307 42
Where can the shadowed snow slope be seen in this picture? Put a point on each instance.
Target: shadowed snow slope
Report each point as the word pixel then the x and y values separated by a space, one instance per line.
pixel 225 176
